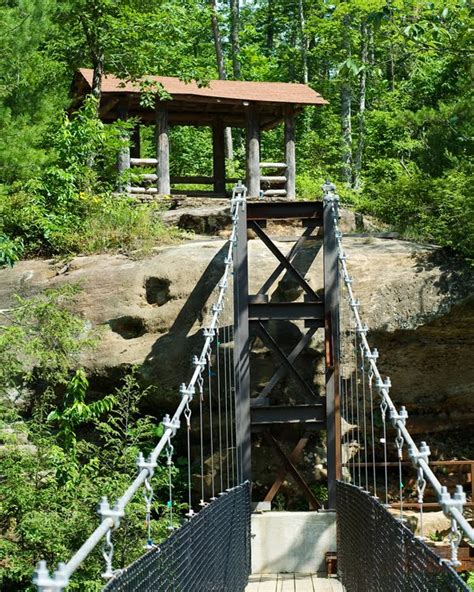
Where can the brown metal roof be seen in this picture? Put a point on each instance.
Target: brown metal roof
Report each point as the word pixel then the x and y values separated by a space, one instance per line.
pixel 224 90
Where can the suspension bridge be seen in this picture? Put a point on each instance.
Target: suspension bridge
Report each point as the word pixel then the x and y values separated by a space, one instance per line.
pixel 211 547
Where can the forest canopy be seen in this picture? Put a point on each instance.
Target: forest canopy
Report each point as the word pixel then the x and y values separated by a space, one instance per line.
pixel 396 136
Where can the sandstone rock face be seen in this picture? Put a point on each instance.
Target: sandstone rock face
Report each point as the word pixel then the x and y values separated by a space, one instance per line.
pixel 151 313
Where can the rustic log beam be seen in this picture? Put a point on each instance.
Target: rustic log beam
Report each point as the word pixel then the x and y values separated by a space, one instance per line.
pixel 144 162
pixel 253 152
pixel 218 155
pixel 143 190
pixel 273 165
pixel 290 156
pixel 274 193
pixel 162 150
pixel 273 179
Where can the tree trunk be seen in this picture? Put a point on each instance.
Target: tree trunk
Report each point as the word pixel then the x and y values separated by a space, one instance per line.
pixel 234 36
pixel 364 54
pixel 372 47
pixel 304 42
pixel 221 70
pixel 270 26
pixel 346 112
pixel 98 63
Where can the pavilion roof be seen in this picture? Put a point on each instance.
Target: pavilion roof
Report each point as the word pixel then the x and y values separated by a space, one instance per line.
pixel 228 99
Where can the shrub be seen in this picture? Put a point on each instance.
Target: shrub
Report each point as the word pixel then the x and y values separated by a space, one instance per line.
pixel 70 207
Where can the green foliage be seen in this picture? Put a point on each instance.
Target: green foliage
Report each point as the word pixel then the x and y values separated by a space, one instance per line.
pixel 10 250
pixel 126 430
pixel 50 493
pixel 58 460
pixel 69 208
pixel 41 339
pixel 438 210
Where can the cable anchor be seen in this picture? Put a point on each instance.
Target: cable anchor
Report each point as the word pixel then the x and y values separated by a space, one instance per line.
pixel 398 418
pixel 372 355
pixel 108 555
pixel 45 583
pixel 172 424
pixel 115 513
pixel 187 392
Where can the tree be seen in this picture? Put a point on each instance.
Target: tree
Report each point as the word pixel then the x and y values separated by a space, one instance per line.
pixel 234 36
pixel 221 70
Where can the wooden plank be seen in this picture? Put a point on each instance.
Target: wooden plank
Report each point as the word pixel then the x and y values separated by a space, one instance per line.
pixel 143 162
pixel 149 177
pixel 304 583
pixel 162 150
pixel 268 583
pixel 197 193
pixel 143 190
pixel 286 583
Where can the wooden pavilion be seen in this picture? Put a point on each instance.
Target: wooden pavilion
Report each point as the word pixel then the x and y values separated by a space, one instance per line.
pixel 255 106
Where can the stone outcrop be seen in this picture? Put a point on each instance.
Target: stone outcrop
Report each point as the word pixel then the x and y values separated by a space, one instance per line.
pixel 150 313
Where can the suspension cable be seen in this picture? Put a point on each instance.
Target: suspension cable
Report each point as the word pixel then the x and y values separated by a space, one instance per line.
pixel 111 516
pixel 452 506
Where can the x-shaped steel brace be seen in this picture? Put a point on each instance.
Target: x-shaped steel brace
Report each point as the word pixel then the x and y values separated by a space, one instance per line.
pixel 285 262
pixel 287 362
pixel 289 467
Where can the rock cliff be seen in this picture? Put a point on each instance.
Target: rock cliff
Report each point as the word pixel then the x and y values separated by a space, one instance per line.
pixel 150 313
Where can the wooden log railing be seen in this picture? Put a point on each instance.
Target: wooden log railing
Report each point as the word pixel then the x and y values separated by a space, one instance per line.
pixel 147 179
pixel 274 184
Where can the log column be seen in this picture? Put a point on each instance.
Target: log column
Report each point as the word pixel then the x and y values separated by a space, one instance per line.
pixel 253 152
pixel 162 150
pixel 123 156
pixel 290 156
pixel 218 154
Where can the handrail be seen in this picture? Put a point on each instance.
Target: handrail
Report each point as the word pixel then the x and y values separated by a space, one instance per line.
pixel 452 506
pixel 110 517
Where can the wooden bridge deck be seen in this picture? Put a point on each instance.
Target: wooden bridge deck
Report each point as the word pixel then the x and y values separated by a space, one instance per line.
pixel 292 583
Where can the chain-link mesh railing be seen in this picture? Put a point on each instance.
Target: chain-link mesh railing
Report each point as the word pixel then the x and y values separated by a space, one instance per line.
pixel 378 553
pixel 210 552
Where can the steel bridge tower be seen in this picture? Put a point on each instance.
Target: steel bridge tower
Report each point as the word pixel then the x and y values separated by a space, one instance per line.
pixel 318 310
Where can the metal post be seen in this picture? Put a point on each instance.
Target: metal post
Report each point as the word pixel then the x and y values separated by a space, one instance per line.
pixel 242 352
pixel 332 350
